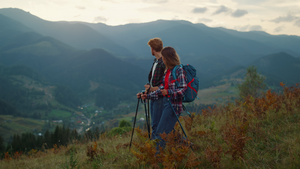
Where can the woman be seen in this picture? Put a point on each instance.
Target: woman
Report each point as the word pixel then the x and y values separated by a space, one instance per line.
pixel 169 91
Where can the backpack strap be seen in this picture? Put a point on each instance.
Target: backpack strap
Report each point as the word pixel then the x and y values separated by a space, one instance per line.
pixel 174 73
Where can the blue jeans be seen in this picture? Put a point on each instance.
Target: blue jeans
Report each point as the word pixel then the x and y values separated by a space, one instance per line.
pixel 166 123
pixel 156 108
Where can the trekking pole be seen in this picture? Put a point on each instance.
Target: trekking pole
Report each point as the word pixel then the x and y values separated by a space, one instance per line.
pixel 179 122
pixel 148 112
pixel 177 117
pixel 147 121
pixel 184 108
pixel 137 107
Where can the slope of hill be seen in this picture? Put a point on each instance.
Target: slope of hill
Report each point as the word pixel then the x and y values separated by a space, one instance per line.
pixel 9 30
pixel 98 72
pixel 26 92
pixel 74 34
pixel 287 43
pixel 279 67
pixel 22 46
pixel 10 24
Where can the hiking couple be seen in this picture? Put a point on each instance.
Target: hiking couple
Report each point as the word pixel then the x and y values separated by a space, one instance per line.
pixel 162 88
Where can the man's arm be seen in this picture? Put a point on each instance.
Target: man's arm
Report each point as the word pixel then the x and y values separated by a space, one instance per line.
pixel 154 88
pixel 151 89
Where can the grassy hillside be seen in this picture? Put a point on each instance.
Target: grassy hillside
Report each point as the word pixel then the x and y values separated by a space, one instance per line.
pixel 220 94
pixel 10 124
pixel 254 133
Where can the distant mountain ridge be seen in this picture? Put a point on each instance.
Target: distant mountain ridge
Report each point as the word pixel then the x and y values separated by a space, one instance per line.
pixel 192 40
pixel 74 34
pixel 199 40
pixel 56 48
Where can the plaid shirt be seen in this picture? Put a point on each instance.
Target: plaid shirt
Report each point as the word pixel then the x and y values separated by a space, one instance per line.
pixel 176 93
pixel 158 73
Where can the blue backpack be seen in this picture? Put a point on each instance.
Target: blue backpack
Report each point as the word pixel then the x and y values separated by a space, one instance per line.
pixel 192 82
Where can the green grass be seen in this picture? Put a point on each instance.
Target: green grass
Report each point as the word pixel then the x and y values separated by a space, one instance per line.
pixel 59 114
pixel 219 94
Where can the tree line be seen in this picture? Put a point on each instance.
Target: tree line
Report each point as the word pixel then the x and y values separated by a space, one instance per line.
pixel 61 136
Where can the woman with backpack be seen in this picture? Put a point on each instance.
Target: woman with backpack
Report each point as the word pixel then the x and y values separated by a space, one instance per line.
pixel 171 93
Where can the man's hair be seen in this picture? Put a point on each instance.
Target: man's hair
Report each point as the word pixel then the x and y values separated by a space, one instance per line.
pixel 171 57
pixel 156 44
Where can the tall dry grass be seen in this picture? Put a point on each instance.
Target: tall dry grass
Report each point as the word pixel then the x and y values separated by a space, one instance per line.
pixel 253 133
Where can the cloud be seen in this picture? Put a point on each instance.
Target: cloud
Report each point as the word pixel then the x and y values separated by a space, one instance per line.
pixel 199 10
pixel 250 2
pixel 297 22
pixel 255 28
pixel 107 0
pixel 279 29
pixel 239 13
pixel 80 7
pixel 100 19
pixel 221 9
pixel 288 18
pixel 156 1
pixel 201 20
pixel 251 28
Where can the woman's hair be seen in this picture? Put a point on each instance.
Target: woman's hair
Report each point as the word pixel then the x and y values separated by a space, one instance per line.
pixel 156 44
pixel 171 57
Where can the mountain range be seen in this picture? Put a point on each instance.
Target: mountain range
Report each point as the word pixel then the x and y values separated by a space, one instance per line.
pixel 102 61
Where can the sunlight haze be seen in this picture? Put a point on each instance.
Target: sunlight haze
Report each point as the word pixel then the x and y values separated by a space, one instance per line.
pixel 271 16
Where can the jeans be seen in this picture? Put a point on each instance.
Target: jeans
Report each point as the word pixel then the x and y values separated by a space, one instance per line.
pixel 166 123
pixel 156 108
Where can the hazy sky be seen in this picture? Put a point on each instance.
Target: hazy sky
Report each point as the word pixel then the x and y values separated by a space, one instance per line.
pixel 272 16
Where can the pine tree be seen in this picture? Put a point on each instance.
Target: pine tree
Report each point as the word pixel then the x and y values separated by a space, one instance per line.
pixel 2 147
pixel 16 143
pixel 56 136
pixel 253 84
pixel 47 139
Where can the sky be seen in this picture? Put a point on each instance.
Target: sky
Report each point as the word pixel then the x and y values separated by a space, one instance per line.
pixel 271 16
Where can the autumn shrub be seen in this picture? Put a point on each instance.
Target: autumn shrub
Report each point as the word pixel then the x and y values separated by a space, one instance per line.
pixel 93 152
pixel 177 152
pixel 248 133
pixel 7 157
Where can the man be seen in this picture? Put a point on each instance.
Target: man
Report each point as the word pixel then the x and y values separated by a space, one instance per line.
pixel 155 79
